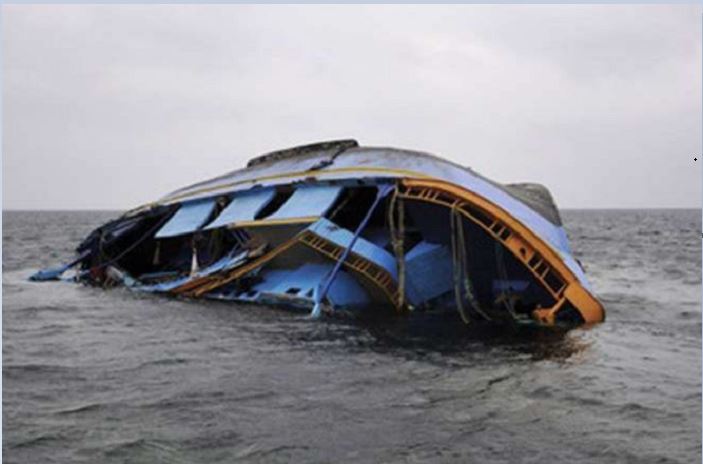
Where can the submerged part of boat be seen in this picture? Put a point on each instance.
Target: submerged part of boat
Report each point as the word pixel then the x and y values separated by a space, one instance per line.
pixel 335 227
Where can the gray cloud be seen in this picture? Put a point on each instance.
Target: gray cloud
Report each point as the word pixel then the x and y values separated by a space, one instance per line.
pixel 111 106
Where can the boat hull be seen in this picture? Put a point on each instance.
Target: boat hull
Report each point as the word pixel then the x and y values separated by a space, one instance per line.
pixel 338 228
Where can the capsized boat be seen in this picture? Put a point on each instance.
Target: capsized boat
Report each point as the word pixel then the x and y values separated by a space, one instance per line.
pixel 337 228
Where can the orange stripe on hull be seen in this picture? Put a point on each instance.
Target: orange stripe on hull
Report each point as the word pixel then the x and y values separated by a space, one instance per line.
pixel 527 247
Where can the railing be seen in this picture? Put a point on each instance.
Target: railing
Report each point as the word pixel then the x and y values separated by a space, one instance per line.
pixel 519 247
pixel 370 270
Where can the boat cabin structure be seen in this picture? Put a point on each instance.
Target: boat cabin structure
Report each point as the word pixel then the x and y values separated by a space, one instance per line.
pixel 334 227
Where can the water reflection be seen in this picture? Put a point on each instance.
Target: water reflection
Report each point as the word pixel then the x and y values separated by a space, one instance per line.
pixel 444 335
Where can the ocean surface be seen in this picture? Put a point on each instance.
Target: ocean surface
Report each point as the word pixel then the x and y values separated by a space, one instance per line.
pixel 92 376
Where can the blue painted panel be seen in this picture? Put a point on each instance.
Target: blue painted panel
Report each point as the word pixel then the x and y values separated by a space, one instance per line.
pixel 282 281
pixel 271 279
pixel 342 237
pixel 344 292
pixel 300 283
pixel 189 218
pixel 243 207
pixel 420 249
pixel 308 200
pixel 295 282
pixel 428 269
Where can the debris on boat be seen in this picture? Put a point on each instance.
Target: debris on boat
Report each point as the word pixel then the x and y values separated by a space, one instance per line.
pixel 334 227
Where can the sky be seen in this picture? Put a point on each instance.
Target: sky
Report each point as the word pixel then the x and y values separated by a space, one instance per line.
pixel 113 106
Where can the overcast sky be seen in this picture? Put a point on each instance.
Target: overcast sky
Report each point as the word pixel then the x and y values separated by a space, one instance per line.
pixel 112 106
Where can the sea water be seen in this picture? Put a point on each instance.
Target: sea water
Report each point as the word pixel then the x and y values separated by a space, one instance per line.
pixel 93 375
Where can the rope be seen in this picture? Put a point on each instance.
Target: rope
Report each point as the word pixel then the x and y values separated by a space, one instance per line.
pixel 468 286
pixel 397 239
pixel 455 269
pixel 462 282
pixel 503 274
